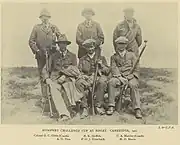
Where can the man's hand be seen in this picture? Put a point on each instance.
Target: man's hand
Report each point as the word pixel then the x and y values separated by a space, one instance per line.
pixel 123 80
pixel 91 78
pixel 61 79
pixel 84 77
pixel 49 81
pixel 130 77
pixel 99 61
pixel 38 53
pixel 117 75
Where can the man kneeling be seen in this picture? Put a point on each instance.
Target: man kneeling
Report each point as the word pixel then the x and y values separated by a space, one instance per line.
pixel 87 66
pixel 63 72
pixel 121 64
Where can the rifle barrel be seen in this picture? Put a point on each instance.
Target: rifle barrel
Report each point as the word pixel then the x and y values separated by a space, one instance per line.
pixel 137 60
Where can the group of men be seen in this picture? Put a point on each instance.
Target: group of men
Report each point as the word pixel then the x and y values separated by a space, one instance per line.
pixel 74 81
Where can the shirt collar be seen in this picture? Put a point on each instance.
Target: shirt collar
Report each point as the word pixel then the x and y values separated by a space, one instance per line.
pixel 46 25
pixel 63 53
pixel 132 23
pixel 122 53
pixel 88 23
pixel 91 55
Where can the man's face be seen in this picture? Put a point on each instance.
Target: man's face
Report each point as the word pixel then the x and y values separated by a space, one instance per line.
pixel 62 46
pixel 88 16
pixel 91 50
pixel 121 47
pixel 45 19
pixel 129 15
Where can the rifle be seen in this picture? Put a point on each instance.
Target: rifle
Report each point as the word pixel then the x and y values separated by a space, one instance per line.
pixel 123 91
pixel 48 87
pixel 94 81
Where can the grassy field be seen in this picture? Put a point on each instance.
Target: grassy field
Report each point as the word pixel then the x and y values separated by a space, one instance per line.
pixel 20 92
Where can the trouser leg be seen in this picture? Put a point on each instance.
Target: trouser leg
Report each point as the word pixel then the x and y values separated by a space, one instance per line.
pixel 100 90
pixel 113 90
pixel 41 63
pixel 80 85
pixel 134 93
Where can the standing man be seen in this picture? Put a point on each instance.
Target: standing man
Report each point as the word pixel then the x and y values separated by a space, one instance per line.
pixel 121 64
pixel 131 30
pixel 42 39
pixel 89 29
pixel 87 66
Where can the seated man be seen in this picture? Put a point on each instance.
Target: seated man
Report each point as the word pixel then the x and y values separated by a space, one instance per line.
pixel 87 66
pixel 63 72
pixel 121 64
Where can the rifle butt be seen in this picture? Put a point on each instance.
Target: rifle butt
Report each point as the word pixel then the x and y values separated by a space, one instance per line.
pixel 49 100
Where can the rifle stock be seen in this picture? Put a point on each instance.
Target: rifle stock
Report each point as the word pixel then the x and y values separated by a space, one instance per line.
pixel 48 87
pixel 94 81
pixel 93 89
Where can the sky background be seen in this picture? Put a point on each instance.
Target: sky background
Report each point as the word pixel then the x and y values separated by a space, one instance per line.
pixel 158 21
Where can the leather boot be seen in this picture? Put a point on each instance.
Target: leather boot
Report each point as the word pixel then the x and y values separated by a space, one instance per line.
pixel 110 111
pixel 64 118
pixel 138 114
pixel 84 113
pixel 100 110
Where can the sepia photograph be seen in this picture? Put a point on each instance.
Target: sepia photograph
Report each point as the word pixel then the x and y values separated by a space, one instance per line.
pixel 89 63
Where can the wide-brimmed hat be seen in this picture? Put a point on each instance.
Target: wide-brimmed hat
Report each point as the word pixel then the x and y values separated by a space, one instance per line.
pixel 45 12
pixel 88 11
pixel 128 10
pixel 121 40
pixel 88 43
pixel 63 39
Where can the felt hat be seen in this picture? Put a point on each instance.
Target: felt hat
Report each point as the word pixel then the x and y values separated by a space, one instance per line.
pixel 88 11
pixel 63 39
pixel 121 40
pixel 44 12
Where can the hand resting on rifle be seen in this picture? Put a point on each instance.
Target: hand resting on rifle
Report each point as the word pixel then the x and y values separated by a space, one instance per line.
pixel 130 77
pixel 117 75
pixel 123 80
pixel 49 81
pixel 61 79
pixel 38 54
pixel 99 61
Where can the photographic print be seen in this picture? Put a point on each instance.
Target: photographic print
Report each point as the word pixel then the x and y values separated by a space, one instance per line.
pixel 89 63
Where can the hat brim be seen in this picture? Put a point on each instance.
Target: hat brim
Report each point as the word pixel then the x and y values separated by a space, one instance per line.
pixel 45 16
pixel 128 11
pixel 65 42
pixel 87 46
pixel 92 13
pixel 121 43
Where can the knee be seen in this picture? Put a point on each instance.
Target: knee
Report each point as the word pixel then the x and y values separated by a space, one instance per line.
pixel 113 82
pixel 102 82
pixel 133 84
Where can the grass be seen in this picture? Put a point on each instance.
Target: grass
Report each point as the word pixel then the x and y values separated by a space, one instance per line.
pixel 20 83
